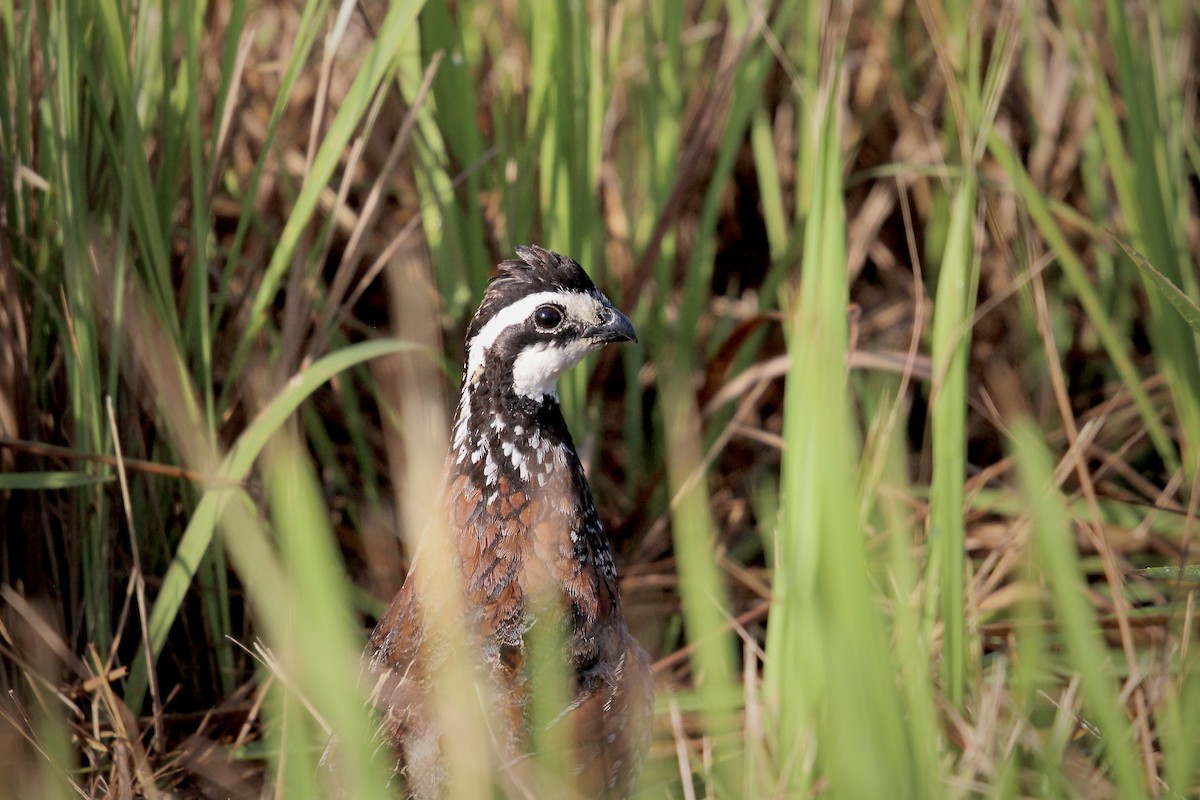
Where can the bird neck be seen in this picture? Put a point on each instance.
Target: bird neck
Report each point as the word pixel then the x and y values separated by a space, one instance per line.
pixel 505 444
pixel 521 436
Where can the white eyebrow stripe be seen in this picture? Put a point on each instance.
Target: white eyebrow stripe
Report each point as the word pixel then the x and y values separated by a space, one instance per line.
pixel 578 305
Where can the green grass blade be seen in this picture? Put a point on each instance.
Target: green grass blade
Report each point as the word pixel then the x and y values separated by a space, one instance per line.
pixel 45 481
pixel 321 638
pixel 1086 652
pixel 1186 307
pixel 236 465
pixel 377 63
pixel 954 308
pixel 701 586
pixel 1075 273
pixel 1144 149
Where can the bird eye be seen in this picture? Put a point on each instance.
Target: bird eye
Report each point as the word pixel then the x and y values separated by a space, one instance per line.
pixel 547 318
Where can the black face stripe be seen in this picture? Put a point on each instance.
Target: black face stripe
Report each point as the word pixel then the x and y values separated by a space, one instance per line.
pixel 523 334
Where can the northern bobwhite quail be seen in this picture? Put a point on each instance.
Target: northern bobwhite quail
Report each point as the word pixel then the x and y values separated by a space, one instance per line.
pixel 521 516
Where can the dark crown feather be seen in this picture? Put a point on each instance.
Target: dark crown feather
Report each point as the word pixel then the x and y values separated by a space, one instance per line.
pixel 543 270
pixel 536 270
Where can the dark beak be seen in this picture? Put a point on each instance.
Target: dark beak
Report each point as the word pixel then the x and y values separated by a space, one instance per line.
pixel 617 328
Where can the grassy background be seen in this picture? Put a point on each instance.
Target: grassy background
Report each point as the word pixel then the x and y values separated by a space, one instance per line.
pixel 902 472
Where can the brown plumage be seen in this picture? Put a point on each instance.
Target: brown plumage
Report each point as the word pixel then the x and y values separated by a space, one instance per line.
pixel 520 514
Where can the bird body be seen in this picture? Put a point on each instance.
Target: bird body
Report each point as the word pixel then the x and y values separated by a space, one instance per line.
pixel 526 538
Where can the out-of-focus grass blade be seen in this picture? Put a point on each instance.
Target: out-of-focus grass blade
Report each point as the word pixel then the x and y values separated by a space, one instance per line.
pixel 1058 562
pixel 236 465
pixel 974 96
pixel 1186 306
pixel 794 635
pixel 307 27
pixel 320 642
pixel 954 307
pixel 826 689
pixel 1179 722
pixel 774 217
pixel 884 490
pixel 550 675
pixel 377 63
pixel 197 328
pixel 748 76
pixel 40 481
pixel 64 31
pixel 702 589
pixel 1144 150
pixel 1077 275
pixel 143 202
pixel 462 243
pixel 1188 573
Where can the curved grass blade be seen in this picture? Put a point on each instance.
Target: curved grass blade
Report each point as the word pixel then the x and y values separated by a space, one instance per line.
pixel 236 465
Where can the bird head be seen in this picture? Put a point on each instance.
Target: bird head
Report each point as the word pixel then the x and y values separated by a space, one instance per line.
pixel 540 316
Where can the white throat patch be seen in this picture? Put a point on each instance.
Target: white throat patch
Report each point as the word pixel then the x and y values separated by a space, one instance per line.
pixel 536 370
